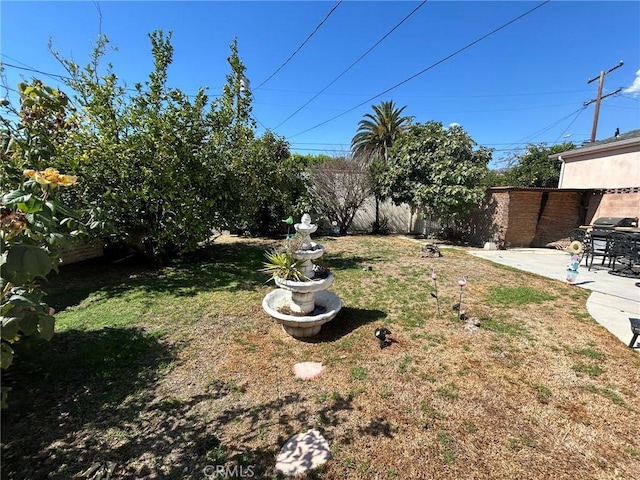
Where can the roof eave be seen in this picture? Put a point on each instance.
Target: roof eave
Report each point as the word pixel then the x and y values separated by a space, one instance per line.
pixel 606 147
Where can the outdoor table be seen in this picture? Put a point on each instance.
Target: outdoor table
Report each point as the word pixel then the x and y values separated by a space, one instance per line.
pixel 625 245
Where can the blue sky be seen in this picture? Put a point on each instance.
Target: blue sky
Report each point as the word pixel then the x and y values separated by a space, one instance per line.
pixel 525 83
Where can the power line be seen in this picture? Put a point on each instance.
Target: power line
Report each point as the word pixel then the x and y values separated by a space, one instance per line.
pixel 569 126
pixel 630 96
pixel 339 150
pixel 34 70
pixel 360 94
pixel 301 45
pixel 460 50
pixel 63 77
pixel 24 64
pixel 343 144
pixel 528 138
pixel 354 63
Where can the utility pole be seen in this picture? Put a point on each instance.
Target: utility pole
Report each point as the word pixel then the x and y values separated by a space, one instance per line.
pixel 599 98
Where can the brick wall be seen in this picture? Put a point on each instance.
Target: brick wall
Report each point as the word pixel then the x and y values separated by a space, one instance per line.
pixel 521 217
pixel 524 207
pixel 81 251
pixel 489 221
pixel 560 215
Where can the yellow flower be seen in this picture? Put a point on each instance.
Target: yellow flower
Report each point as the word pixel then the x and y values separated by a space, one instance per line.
pixel 67 180
pixel 41 178
pixel 51 176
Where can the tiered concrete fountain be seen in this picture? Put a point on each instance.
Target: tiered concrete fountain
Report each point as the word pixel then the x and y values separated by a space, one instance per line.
pixel 302 307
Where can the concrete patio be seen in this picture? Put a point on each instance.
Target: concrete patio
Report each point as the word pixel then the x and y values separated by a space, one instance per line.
pixel 613 301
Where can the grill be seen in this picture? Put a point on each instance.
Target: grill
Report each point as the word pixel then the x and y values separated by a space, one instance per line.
pixel 603 226
pixel 609 223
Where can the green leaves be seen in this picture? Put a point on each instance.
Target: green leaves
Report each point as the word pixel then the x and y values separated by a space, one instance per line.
pixel 33 223
pixel 437 169
pixel 6 358
pixel 23 313
pixel 24 263
pixel 535 168
pixel 378 131
pixel 282 265
pixel 10 328
pixel 58 208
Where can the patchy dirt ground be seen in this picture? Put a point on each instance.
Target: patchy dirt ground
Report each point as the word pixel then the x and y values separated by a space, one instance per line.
pixel 539 391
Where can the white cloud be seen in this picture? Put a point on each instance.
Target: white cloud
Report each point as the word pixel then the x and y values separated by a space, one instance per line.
pixel 634 89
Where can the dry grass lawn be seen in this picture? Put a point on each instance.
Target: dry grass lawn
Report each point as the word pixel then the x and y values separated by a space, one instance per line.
pixel 202 376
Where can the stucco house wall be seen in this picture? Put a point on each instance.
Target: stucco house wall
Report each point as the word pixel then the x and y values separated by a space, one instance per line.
pixel 609 170
pixel 618 170
pixel 621 202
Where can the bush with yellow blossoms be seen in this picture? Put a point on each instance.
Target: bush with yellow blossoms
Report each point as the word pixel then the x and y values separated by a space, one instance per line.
pixel 34 224
pixel 33 227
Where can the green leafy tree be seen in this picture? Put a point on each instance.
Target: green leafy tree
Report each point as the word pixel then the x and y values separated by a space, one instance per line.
pixel 285 189
pixel 437 170
pixel 495 178
pixel 131 150
pixel 163 168
pixel 535 169
pixel 376 134
pixel 275 185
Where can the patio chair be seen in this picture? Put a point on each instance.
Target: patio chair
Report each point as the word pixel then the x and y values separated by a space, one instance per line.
pixel 620 247
pixel 577 234
pixel 597 246
pixel 635 330
pixel 623 249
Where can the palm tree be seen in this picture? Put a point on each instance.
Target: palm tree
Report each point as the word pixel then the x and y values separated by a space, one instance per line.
pixel 375 136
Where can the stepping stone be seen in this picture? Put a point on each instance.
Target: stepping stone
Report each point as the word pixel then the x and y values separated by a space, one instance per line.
pixel 302 452
pixel 308 370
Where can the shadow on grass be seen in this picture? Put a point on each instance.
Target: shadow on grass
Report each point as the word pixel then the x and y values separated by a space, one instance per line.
pixel 87 398
pixel 230 267
pixel 349 262
pixel 289 415
pixel 347 320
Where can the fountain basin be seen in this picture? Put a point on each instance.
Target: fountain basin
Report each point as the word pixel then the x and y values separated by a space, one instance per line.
pixel 301 326
pixel 316 251
pixel 305 286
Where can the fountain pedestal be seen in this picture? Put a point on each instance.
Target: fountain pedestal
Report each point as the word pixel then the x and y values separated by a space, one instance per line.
pixel 302 307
